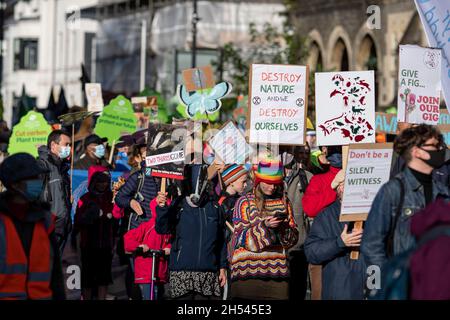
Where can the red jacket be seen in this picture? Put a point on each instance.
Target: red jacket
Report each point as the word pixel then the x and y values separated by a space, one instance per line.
pixel 318 194
pixel 146 234
pixel 95 231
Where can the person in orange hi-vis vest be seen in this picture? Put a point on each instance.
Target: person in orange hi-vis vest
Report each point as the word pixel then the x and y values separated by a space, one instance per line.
pixel 30 266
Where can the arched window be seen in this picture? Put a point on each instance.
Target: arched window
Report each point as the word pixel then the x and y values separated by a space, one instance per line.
pixel 340 60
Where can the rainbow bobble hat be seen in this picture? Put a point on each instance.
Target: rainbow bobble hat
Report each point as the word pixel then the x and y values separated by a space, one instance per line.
pixel 269 171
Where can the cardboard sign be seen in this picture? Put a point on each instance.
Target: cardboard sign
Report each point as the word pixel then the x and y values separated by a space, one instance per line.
pixel 166 150
pixel 345 107
pixel 386 123
pixel 117 119
pixel 419 87
pixel 278 104
pixel 29 134
pixel 368 168
pixel 230 146
pixel 198 78
pixel 94 97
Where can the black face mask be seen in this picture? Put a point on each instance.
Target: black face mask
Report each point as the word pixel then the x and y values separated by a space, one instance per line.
pixel 437 158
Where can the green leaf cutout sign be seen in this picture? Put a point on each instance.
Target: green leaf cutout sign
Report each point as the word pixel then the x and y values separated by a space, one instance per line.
pixel 29 134
pixel 117 119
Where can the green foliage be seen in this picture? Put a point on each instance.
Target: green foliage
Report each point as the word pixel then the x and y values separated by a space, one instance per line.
pixel 269 45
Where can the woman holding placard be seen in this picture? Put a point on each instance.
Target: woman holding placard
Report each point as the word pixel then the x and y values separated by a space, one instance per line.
pixel 264 229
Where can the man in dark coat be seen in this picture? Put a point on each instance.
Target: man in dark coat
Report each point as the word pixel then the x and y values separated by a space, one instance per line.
pixel 330 244
pixel 53 158
pixel 94 154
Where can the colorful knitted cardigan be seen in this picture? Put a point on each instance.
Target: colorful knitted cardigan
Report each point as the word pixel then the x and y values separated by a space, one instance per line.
pixel 259 253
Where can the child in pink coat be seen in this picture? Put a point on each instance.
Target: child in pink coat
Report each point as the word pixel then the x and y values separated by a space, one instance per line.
pixel 146 237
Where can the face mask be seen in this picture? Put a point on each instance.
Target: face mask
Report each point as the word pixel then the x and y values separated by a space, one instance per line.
pixel 123 155
pixel 64 152
pixel 33 189
pixel 99 151
pixel 437 158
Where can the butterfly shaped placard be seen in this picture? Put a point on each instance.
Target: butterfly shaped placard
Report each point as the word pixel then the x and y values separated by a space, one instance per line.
pixel 203 101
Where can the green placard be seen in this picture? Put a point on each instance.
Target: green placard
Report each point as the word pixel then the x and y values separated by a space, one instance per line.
pixel 30 133
pixel 117 119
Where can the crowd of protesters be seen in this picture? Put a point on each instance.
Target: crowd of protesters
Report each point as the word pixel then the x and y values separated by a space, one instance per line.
pixel 270 230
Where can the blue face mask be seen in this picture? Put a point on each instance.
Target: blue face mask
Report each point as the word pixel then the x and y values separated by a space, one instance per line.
pixel 100 151
pixel 64 152
pixel 33 189
pixel 123 156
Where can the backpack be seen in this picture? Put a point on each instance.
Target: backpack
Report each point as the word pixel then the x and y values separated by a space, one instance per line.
pixel 395 283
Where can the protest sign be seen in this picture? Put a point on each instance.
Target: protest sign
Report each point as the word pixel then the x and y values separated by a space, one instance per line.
pixel 229 145
pixel 146 109
pixel 278 104
pixel 117 119
pixel 198 78
pixel 419 85
pixel 205 102
pixel 94 97
pixel 30 133
pixel 435 17
pixel 368 168
pixel 345 107
pixel 166 150
pixel 387 123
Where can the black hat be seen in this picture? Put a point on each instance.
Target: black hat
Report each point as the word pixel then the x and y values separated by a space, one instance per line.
pixel 19 166
pixel 94 139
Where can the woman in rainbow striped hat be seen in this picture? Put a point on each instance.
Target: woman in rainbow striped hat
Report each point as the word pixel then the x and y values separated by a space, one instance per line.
pixel 264 228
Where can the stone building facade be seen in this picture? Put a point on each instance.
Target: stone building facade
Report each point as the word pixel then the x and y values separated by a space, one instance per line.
pixel 341 37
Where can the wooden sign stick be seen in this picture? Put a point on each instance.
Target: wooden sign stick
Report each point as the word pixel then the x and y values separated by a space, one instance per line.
pixel 354 255
pixel 71 162
pixel 163 185
pixel 112 152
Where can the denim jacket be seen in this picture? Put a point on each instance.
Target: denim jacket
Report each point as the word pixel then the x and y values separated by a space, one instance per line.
pixel 382 213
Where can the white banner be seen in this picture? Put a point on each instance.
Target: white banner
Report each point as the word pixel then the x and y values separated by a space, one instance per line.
pixel 419 90
pixel 435 17
pixel 278 102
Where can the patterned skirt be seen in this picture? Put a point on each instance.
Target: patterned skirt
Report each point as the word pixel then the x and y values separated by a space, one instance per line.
pixel 184 282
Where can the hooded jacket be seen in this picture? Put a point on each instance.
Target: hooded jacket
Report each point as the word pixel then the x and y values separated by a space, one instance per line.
pixel 128 192
pixel 91 220
pixel 342 278
pixel 56 189
pixel 319 194
pixel 146 234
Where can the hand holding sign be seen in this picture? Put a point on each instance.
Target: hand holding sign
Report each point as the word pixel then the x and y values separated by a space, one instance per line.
pixel 352 239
